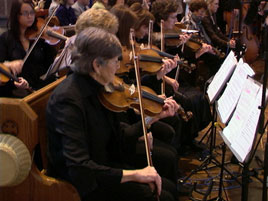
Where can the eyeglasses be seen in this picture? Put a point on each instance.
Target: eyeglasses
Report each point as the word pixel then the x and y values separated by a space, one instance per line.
pixel 26 13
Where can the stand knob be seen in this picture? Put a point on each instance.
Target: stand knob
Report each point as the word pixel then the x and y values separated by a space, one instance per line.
pixel 15 161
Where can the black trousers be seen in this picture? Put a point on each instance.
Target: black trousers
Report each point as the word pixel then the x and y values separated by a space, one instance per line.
pixel 132 191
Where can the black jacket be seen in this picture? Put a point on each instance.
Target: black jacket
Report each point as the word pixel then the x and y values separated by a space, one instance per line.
pixel 35 66
pixel 218 39
pixel 85 141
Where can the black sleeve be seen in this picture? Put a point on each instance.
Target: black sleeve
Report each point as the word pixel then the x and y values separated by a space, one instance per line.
pixel 66 120
pixel 3 47
pixel 217 38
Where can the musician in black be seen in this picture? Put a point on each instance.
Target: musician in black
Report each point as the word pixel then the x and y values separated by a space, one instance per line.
pixel 218 39
pixel 14 44
pixel 206 53
pixel 85 140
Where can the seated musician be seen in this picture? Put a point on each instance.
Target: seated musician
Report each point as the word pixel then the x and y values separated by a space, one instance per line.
pixel 85 139
pixel 65 13
pixel 162 149
pixel 191 99
pixel 80 6
pixel 218 39
pixel 14 45
pixel 91 18
pixel 52 6
pixel 194 21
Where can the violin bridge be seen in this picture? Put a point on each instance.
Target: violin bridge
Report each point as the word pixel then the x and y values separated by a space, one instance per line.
pixel 132 89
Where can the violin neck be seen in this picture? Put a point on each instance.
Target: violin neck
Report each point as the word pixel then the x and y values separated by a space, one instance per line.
pixel 56 35
pixel 172 36
pixel 164 54
pixel 152 97
pixel 148 58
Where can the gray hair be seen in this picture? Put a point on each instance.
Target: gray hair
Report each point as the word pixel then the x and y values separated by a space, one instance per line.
pixel 90 44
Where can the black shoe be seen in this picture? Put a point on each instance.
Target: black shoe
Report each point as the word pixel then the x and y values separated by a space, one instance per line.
pixel 184 190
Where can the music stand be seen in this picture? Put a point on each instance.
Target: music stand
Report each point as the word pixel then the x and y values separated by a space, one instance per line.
pixel 214 91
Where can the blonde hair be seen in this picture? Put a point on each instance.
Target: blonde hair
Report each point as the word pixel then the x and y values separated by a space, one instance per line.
pixel 100 18
pixel 209 2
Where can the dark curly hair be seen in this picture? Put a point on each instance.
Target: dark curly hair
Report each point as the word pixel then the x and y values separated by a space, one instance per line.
pixel 161 9
pixel 195 5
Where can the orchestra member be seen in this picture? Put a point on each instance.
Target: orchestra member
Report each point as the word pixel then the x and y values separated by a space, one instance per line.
pixel 80 6
pixel 14 44
pixel 85 141
pixel 65 13
pixel 218 39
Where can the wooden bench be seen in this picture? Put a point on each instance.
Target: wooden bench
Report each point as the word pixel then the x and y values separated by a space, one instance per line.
pixel 25 119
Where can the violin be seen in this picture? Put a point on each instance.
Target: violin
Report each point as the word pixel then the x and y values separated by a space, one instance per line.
pixel 172 37
pixel 195 45
pixel 148 63
pixel 6 75
pixel 183 64
pixel 120 96
pixel 150 60
pixel 32 34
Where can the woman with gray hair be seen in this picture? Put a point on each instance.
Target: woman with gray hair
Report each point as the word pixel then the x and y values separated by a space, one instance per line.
pixel 85 139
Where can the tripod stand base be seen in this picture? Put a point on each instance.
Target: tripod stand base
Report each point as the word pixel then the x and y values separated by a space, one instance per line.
pixel 217 199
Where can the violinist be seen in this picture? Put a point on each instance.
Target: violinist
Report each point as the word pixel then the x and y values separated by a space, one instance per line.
pixel 52 6
pixel 14 44
pixel 194 21
pixel 127 20
pixel 189 97
pixel 85 139
pixel 65 13
pixel 162 150
pixel 209 22
pixel 100 18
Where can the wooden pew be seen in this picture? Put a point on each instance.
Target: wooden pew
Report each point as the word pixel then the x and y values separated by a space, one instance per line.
pixel 25 119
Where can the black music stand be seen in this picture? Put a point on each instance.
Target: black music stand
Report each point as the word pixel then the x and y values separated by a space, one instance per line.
pixel 261 129
pixel 211 157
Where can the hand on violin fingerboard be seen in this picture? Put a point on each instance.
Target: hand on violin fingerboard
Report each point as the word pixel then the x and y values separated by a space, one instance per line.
pixel 184 38
pixel 14 66
pixel 169 108
pixel 168 65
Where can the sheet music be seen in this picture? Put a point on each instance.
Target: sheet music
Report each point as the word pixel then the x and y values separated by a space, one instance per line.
pixel 221 77
pixel 227 102
pixel 240 132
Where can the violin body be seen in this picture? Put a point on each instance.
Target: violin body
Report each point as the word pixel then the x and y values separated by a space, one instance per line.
pixel 195 44
pixel 5 74
pixel 149 61
pixel 125 96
